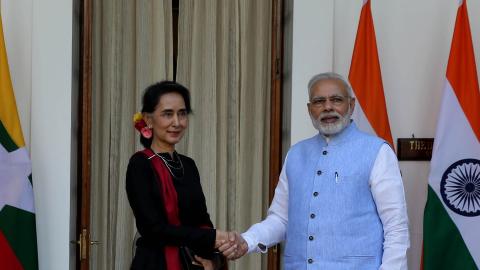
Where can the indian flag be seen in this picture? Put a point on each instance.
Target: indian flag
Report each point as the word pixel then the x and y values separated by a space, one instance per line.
pixel 18 241
pixel 370 113
pixel 451 229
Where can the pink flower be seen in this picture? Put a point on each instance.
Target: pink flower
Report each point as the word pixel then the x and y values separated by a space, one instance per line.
pixel 141 125
pixel 146 132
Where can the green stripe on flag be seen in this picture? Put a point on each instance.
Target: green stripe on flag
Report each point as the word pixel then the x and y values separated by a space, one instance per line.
pixel 444 248
pixel 18 226
pixel 6 140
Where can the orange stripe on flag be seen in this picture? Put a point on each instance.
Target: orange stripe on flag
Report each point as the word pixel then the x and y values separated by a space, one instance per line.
pixel 462 70
pixel 366 78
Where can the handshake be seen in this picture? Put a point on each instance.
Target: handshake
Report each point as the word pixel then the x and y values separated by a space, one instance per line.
pixel 231 244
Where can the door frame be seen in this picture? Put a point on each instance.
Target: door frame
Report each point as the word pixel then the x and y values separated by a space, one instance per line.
pixel 84 143
pixel 276 98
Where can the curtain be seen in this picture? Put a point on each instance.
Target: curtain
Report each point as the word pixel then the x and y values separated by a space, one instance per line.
pixel 132 48
pixel 224 59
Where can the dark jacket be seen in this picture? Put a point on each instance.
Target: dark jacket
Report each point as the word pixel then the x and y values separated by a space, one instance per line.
pixel 146 202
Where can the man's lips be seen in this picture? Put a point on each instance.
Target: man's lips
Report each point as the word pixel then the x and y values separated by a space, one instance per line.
pixel 329 119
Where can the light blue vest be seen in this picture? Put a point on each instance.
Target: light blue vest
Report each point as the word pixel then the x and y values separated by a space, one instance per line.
pixel 332 218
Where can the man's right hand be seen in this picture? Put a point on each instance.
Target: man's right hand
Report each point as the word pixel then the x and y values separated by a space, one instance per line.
pixel 235 248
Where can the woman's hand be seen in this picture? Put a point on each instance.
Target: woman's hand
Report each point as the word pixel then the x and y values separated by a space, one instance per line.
pixel 207 264
pixel 223 237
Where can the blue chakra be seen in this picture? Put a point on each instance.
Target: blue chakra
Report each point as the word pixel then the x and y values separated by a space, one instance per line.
pixel 460 187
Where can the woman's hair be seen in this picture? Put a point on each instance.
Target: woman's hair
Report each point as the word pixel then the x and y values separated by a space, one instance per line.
pixel 151 98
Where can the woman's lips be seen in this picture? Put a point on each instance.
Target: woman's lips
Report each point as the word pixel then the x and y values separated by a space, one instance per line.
pixel 174 133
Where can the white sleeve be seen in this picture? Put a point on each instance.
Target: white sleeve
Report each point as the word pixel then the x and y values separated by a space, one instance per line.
pixel 272 229
pixel 387 190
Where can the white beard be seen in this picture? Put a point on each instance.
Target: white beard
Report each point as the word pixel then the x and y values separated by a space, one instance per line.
pixel 329 129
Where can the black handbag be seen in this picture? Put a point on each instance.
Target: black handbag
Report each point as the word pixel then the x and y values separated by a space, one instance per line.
pixel 187 256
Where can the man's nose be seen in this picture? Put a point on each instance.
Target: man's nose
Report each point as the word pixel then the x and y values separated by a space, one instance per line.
pixel 328 106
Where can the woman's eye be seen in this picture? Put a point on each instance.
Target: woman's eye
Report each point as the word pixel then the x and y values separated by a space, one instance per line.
pixel 182 114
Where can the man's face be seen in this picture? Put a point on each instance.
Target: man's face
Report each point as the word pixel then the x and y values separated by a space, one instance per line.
pixel 330 107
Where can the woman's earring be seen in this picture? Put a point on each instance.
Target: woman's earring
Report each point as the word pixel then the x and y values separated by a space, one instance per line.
pixel 146 132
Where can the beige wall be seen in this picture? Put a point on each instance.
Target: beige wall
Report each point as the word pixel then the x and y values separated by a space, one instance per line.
pixel 413 39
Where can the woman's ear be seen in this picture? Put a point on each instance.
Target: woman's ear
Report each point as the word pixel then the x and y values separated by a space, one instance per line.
pixel 148 119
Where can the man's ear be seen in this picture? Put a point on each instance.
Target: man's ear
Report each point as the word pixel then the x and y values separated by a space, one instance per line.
pixel 352 104
pixel 308 108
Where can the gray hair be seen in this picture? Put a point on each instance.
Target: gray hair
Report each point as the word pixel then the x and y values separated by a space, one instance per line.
pixel 330 76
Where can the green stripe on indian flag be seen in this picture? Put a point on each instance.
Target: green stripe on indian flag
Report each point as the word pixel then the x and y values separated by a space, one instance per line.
pixel 443 244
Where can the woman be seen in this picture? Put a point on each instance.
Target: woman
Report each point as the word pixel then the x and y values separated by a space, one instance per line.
pixel 163 187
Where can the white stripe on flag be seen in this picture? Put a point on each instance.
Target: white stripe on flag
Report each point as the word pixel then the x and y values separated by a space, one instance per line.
pixel 361 119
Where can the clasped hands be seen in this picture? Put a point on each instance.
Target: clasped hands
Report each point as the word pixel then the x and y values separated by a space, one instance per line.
pixel 231 244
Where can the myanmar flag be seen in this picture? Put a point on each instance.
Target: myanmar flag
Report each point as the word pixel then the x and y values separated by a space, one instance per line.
pixel 18 241
pixel 365 76
pixel 451 229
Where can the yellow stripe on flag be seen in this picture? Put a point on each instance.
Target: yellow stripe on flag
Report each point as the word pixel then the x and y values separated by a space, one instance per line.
pixel 8 107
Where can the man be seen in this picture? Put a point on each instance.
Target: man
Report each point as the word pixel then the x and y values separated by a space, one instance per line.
pixel 339 203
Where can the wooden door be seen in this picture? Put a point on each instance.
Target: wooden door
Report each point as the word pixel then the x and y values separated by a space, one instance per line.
pixel 276 114
pixel 83 240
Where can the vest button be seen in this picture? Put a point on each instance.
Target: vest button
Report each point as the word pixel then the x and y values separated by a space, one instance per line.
pixel 312 215
pixel 324 152
pixel 319 172
pixel 310 238
pixel 315 194
pixel 310 261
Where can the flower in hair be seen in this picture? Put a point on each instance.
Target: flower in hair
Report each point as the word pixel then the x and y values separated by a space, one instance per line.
pixel 141 125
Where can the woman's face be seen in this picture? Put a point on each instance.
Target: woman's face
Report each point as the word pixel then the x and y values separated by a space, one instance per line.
pixel 168 121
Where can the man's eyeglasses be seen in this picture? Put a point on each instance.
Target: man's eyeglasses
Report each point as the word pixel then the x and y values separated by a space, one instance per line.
pixel 335 100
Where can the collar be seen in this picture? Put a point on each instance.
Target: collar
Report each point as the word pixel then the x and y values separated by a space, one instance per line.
pixel 339 138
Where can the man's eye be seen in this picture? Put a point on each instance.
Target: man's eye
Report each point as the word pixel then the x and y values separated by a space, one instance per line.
pixel 337 100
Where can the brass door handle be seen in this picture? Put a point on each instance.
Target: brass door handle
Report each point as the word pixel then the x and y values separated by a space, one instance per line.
pixel 82 244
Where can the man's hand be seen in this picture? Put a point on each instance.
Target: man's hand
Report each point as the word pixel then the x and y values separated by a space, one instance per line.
pixel 223 237
pixel 235 248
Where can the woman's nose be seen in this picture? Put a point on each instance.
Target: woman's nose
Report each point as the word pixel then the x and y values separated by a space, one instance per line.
pixel 175 119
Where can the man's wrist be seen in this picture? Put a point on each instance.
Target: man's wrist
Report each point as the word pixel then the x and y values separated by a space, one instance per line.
pixel 253 244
